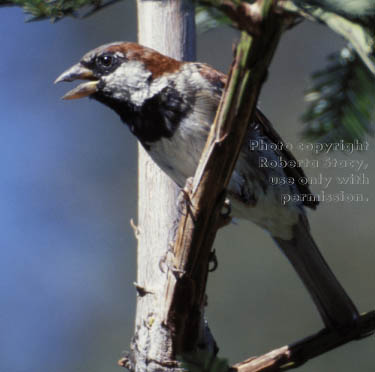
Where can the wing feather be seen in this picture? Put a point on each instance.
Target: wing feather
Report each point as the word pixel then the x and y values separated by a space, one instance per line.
pixel 209 99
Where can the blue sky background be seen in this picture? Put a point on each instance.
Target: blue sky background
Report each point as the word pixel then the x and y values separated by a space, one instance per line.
pixel 68 191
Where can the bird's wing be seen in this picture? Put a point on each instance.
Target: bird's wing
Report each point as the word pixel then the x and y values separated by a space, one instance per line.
pixel 295 172
pixel 260 124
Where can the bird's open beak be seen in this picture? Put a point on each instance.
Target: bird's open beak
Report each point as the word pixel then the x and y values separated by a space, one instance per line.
pixel 79 72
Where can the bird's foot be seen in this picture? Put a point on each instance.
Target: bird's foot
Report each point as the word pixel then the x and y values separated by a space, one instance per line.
pixel 225 217
pixel 212 261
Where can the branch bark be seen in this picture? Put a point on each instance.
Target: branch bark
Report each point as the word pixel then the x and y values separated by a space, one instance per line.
pixel 168 26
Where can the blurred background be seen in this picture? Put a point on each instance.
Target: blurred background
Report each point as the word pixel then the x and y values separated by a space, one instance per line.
pixel 68 190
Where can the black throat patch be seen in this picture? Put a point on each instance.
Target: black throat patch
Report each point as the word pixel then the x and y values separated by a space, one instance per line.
pixel 158 117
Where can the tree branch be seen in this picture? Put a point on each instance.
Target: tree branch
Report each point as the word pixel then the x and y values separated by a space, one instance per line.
pixel 168 26
pixel 296 354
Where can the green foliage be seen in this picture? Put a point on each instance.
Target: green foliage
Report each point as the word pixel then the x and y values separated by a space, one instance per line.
pixel 342 101
pixel 353 20
pixel 57 9
pixel 203 361
pixel 350 8
pixel 208 17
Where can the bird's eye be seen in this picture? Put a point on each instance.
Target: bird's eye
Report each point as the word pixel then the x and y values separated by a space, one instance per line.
pixel 105 60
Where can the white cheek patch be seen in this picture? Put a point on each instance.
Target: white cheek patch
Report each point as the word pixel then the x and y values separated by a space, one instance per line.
pixel 131 82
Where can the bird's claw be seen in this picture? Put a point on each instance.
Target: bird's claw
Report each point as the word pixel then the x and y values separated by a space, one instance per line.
pixel 225 215
pixel 212 261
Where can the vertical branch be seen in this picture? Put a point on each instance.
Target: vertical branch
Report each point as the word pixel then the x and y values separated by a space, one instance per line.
pixel 167 26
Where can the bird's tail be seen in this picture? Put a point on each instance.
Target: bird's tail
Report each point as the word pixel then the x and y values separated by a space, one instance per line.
pixel 334 305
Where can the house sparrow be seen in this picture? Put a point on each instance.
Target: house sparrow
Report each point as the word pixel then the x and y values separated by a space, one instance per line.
pixel 169 106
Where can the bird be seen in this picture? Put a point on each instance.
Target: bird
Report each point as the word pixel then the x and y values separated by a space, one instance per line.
pixel 170 105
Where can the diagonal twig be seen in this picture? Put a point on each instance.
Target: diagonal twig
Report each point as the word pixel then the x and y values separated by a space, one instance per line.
pixel 185 293
pixel 296 354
